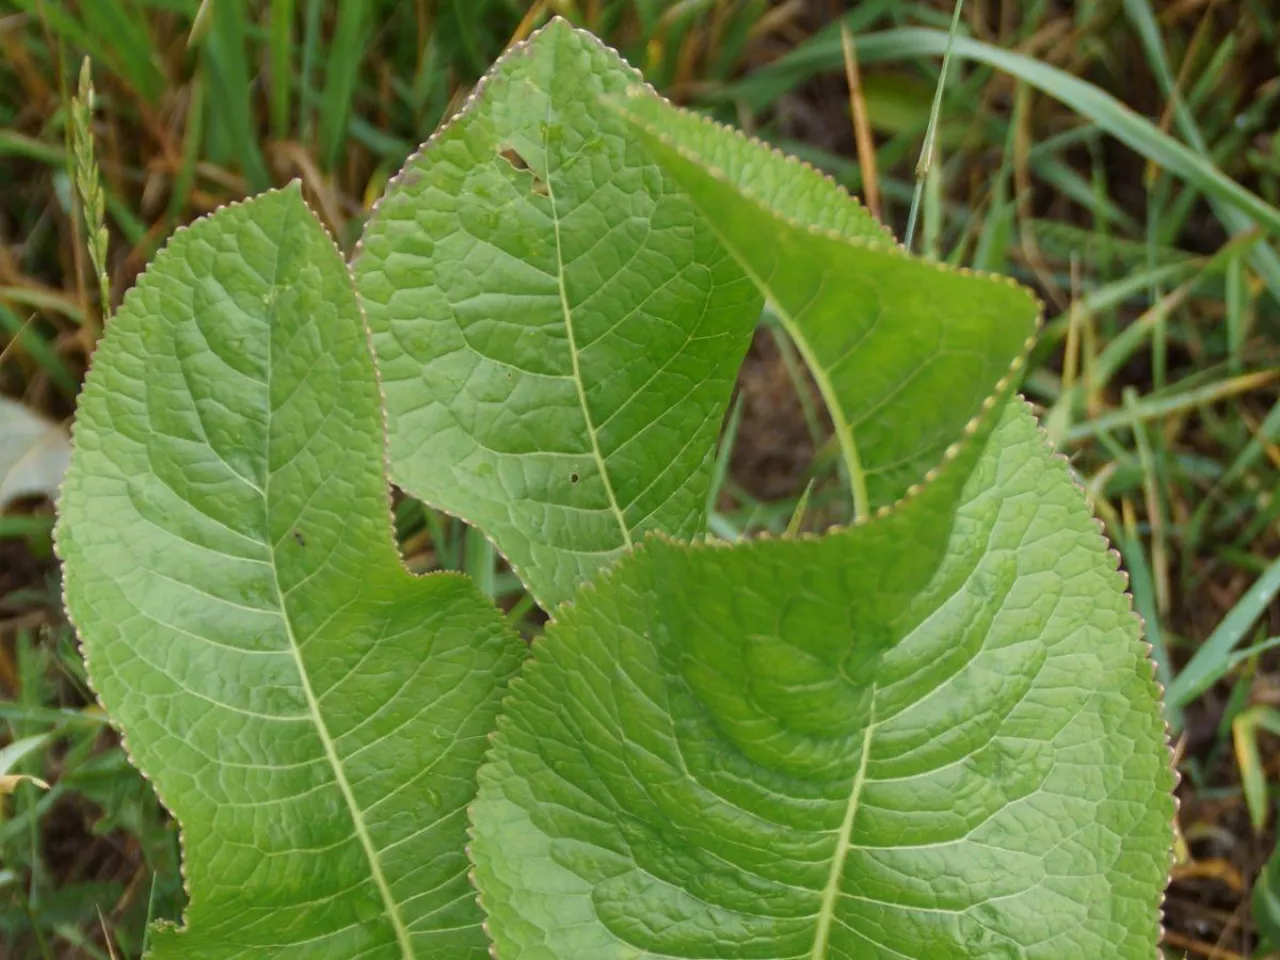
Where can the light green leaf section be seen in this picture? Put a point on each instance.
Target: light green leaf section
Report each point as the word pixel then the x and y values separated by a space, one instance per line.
pixel 904 351
pixel 933 735
pixel 310 712
pixel 557 329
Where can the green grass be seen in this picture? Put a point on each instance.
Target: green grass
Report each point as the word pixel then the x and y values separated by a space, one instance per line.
pixel 1121 158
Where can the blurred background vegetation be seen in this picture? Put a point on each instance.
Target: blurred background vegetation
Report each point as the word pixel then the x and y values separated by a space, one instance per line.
pixel 1158 370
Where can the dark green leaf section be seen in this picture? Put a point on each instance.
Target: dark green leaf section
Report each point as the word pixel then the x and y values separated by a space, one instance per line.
pixel 557 329
pixel 311 713
pixel 904 352
pixel 931 735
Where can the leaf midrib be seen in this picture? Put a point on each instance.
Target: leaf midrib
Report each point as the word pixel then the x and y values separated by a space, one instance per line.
pixel 573 344
pixel 391 908
pixel 831 892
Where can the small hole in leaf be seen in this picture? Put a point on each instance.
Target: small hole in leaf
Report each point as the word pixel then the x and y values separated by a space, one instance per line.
pixel 512 156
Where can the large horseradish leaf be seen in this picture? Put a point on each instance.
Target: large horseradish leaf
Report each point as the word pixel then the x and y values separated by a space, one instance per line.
pixel 310 712
pixel 932 735
pixel 557 329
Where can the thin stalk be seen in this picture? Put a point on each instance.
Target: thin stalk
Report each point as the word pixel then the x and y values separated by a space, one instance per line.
pixel 931 133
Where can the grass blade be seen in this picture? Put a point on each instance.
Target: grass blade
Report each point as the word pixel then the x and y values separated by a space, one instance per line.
pixel 478 562
pixel 345 54
pixel 925 163
pixel 1092 103
pixel 1265 260
pixel 720 470
pixel 1152 408
pixel 281 25
pixel 39 350
pixel 1143 589
pixel 230 93
pixel 1212 661
pixel 192 137
pixel 129 42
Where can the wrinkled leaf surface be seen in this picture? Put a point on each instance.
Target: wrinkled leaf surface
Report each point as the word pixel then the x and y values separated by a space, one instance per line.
pixel 558 330
pixel 310 712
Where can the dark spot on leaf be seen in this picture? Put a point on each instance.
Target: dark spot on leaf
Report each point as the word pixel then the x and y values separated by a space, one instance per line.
pixel 299 539
pixel 573 478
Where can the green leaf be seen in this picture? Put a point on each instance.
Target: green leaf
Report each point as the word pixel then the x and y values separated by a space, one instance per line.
pixel 1212 659
pixel 310 712
pixel 904 352
pixel 557 329
pixel 935 734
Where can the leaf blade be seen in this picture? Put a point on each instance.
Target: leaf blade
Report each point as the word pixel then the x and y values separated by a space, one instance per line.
pixel 856 745
pixel 729 756
pixel 546 303
pixel 230 568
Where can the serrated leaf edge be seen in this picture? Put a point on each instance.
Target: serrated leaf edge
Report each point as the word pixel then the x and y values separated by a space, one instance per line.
pixel 566 612
pixel 970 428
pixel 641 85
pixel 406 171
pixel 565 608
pixel 91 374
pixel 891 247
